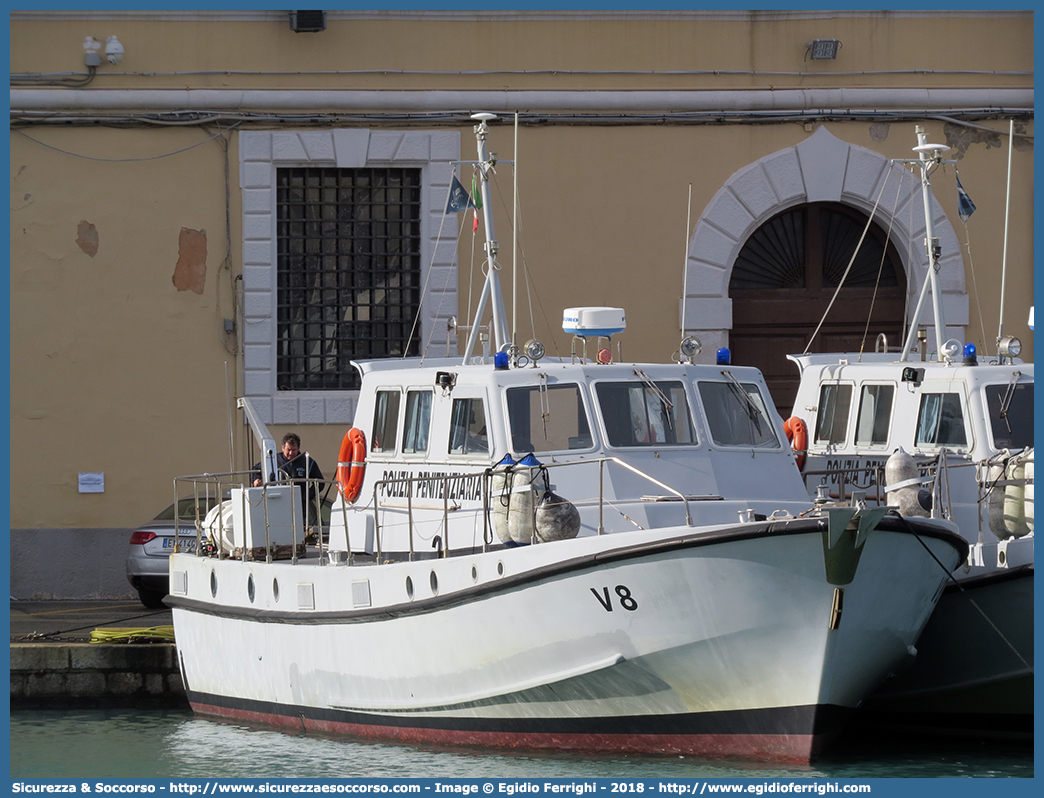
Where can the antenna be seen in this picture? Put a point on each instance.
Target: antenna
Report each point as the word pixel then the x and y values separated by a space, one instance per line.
pixel 1004 256
pixel 685 262
pixel 514 247
pixel 929 156
pixel 491 287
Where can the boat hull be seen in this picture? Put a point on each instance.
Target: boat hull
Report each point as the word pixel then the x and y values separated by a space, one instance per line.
pixel 762 734
pixel 713 642
pixel 958 688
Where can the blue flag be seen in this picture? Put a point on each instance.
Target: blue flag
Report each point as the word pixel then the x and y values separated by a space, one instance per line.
pixel 965 207
pixel 459 199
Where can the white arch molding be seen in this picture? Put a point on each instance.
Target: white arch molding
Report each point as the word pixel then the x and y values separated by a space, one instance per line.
pixel 822 168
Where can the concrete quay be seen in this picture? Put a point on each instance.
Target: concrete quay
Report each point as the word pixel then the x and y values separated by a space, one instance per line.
pixel 53 664
pixel 95 675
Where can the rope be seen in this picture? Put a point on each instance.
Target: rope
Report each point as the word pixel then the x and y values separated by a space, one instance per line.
pixel 526 276
pixel 975 284
pixel 63 632
pixel 844 277
pixel 427 277
pixel 964 592
pixel 880 267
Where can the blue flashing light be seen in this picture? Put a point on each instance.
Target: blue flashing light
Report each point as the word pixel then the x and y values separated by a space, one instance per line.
pixel 500 360
pixel 724 356
pixel 969 355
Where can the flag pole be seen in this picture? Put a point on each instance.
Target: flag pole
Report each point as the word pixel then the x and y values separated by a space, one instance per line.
pixel 514 247
pixel 1004 256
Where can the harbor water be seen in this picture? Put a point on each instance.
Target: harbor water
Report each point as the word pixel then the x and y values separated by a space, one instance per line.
pixel 56 744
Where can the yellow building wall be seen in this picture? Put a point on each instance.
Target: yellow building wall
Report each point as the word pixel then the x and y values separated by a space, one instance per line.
pixel 115 370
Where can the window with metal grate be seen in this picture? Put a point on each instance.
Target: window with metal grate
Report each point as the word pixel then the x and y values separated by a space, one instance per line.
pixel 349 271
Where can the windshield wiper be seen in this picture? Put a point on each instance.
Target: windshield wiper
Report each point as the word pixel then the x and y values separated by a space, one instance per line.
pixel 1008 396
pixel 668 405
pixel 753 411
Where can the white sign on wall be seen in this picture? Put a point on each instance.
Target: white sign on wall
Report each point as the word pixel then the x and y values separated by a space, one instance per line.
pixel 92 483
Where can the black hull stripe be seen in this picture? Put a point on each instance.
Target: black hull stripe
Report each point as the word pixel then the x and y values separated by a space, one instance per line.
pixel 826 719
pixel 992 578
pixel 799 526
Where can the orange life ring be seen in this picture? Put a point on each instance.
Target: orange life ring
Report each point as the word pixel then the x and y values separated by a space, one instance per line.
pixel 351 464
pixel 797 434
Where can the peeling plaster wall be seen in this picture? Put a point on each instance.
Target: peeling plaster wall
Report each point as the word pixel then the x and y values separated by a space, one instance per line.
pixel 113 369
pixel 190 272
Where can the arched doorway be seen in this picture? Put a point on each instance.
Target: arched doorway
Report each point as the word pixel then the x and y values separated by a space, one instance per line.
pixel 784 278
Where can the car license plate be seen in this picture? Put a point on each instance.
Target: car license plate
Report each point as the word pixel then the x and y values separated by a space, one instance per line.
pixel 187 544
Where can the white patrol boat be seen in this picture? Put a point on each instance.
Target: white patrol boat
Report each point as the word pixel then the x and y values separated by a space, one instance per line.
pixel 950 437
pixel 584 554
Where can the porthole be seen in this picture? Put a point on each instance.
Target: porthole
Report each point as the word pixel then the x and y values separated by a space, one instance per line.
pixel 500 568
pixel 250 587
pixel 474 574
pixel 434 581
pixel 409 588
pixel 213 583
pixel 275 589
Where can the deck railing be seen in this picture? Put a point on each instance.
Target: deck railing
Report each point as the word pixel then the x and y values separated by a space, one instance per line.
pixel 867 482
pixel 210 490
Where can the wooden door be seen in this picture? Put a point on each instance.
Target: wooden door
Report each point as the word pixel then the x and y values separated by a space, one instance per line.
pixel 783 281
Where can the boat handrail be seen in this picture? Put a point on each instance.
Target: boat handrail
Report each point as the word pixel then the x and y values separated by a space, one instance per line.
pixel 934 471
pixel 219 486
pixel 485 476
pixel 639 472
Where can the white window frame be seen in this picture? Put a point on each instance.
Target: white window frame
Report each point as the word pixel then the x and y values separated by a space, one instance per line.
pixel 261 153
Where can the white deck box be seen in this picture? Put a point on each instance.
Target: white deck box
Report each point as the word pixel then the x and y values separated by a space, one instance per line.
pixel 285 515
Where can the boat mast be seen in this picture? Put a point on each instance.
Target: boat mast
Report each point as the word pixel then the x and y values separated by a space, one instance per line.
pixel 929 156
pixel 491 288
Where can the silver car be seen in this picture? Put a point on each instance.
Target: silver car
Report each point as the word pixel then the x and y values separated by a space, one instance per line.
pixel 152 543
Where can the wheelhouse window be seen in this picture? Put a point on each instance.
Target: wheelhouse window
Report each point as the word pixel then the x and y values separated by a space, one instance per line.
pixel 832 419
pixel 940 420
pixel 417 423
pixel 348 272
pixel 645 413
pixel 385 421
pixel 468 431
pixel 1010 409
pixel 875 411
pixel 548 418
pixel 736 415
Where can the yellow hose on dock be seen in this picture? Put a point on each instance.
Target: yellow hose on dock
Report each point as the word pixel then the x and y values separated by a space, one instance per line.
pixel 124 634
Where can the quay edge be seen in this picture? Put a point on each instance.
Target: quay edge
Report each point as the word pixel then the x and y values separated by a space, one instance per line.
pixel 91 675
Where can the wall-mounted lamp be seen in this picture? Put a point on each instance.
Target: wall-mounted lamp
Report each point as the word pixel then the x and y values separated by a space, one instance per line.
pixel 823 49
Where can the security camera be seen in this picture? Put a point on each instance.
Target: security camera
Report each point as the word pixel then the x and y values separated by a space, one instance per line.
pixel 113 50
